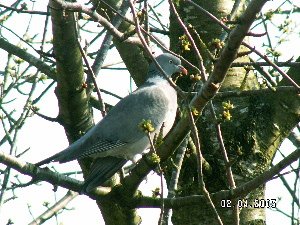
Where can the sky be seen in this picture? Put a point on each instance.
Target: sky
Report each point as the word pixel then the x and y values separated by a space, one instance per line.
pixel 42 136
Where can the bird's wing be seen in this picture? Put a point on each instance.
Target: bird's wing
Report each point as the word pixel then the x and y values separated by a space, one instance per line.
pixel 121 125
pixel 122 122
pixel 102 169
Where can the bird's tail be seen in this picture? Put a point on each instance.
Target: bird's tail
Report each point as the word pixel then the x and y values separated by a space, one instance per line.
pixel 61 157
pixel 102 169
pixel 48 160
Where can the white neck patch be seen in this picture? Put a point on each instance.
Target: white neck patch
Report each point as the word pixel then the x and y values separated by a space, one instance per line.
pixel 156 79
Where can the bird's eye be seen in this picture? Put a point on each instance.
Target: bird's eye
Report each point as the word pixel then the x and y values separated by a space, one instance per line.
pixel 170 61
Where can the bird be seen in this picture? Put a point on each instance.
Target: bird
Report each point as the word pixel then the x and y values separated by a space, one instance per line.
pixel 118 137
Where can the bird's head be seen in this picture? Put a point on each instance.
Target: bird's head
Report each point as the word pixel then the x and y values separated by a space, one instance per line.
pixel 169 63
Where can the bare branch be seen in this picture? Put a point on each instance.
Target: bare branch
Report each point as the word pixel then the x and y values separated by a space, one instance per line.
pixel 239 192
pixel 280 64
pixel 186 31
pixel 172 187
pixel 53 210
pixel 273 65
pixel 202 186
pixel 56 179
pixel 77 7
pixel 25 11
pixel 266 91
pixel 229 173
pixel 254 6
pixel 146 47
pixel 23 54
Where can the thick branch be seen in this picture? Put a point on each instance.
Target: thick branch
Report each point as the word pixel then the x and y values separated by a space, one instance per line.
pixel 40 174
pixel 23 54
pixel 280 64
pixel 45 174
pixel 239 192
pixel 249 93
pixel 72 184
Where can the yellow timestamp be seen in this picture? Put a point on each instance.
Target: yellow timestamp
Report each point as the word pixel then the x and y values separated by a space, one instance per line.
pixel 245 203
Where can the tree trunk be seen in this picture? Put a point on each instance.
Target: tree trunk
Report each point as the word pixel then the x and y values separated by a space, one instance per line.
pixel 258 126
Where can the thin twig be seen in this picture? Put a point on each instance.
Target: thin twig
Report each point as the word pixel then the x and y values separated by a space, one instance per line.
pixel 227 163
pixel 21 38
pixel 153 38
pixel 288 188
pixel 172 187
pixel 92 75
pixel 142 39
pixel 161 216
pixel 273 65
pixel 186 31
pixel 212 17
pixel 200 171
pixel 77 7
pixel 49 213
pixel 25 11
pixel 157 18
pixel 102 52
pixel 146 22
pixel 43 93
pixel 294 137
pixel 264 73
pixel 16 127
pixel 296 189
pixel 48 118
pixel 23 54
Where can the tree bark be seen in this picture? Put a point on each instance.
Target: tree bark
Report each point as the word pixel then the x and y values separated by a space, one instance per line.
pixel 252 137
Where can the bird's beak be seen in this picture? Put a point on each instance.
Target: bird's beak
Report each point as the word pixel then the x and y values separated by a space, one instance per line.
pixel 183 70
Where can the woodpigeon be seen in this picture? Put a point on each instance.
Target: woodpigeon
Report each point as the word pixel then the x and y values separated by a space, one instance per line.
pixel 118 136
